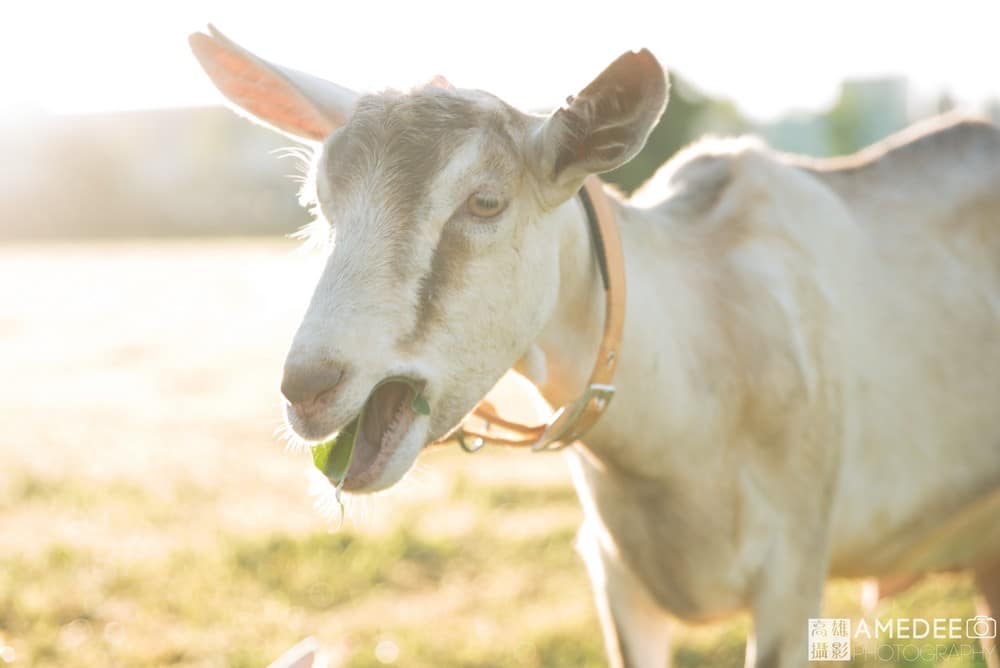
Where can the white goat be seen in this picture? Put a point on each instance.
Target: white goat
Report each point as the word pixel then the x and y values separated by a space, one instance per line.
pixel 809 382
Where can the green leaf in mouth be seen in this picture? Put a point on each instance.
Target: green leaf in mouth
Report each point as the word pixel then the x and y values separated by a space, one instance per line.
pixel 333 457
pixel 420 405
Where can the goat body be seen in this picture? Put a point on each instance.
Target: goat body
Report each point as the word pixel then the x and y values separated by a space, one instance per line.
pixel 809 383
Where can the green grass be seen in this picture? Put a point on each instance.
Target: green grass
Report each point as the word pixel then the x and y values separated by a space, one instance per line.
pixel 247 597
pixel 478 598
pixel 149 518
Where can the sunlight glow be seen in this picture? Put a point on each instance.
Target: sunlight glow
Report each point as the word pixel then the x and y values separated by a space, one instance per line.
pixel 769 57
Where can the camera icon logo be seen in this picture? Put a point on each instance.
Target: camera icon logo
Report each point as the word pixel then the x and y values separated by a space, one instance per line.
pixel 981 626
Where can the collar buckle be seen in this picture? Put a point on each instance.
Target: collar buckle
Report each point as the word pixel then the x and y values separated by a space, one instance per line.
pixel 562 428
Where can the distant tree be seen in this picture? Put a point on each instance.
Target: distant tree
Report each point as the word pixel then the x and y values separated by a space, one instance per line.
pixel 945 102
pixel 845 122
pixel 866 111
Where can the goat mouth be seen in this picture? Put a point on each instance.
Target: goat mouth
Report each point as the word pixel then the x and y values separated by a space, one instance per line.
pixel 387 417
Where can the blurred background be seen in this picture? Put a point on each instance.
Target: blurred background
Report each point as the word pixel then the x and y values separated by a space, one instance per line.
pixel 149 513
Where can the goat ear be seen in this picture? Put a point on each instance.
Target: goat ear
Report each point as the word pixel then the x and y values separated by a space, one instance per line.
pixel 605 124
pixel 292 102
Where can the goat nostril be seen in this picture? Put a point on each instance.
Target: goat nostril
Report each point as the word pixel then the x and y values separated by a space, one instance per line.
pixel 303 386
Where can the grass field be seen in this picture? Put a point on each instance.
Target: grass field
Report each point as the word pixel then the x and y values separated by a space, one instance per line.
pixel 149 516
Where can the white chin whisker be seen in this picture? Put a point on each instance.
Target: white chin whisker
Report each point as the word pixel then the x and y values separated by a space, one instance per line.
pixel 334 511
pixel 293 442
pixel 358 509
pixel 413 479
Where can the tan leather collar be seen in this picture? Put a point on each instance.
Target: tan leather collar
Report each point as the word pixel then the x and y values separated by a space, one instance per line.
pixel 572 420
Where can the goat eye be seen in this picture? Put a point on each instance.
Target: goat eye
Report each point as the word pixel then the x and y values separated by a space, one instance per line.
pixel 485 205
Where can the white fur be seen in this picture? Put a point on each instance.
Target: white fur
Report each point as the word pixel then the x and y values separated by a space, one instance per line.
pixel 809 379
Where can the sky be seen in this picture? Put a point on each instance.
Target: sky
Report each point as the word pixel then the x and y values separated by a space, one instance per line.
pixel 769 56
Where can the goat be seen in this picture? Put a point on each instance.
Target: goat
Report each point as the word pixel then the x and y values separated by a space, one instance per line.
pixel 809 379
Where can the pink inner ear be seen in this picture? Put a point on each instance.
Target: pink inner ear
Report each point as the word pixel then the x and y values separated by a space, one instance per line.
pixel 257 89
pixel 439 82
